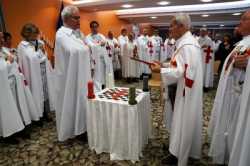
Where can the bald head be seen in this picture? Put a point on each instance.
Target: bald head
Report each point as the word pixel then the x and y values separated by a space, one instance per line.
pixel 243 28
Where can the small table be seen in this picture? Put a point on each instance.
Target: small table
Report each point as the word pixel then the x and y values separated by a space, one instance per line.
pixel 116 127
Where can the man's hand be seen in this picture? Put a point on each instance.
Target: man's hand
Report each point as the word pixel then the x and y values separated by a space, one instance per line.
pixel 10 58
pixel 103 43
pixel 240 62
pixel 156 67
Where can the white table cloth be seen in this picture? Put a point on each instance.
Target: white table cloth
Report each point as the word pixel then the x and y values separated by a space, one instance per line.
pixel 119 128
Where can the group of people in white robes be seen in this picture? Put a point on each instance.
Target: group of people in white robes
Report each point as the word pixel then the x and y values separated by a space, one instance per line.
pixel 27 92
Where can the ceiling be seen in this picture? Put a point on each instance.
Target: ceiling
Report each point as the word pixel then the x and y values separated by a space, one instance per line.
pixel 219 11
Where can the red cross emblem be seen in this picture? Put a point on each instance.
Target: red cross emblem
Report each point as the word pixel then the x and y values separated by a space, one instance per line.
pixel 150 46
pixel 188 82
pixel 208 56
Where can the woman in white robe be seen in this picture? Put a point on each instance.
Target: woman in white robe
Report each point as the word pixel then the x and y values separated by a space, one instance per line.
pixel 36 68
pixel 11 121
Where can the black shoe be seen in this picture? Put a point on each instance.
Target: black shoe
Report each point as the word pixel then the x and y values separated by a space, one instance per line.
pixel 170 160
pixel 11 140
pixel 83 137
pixel 205 89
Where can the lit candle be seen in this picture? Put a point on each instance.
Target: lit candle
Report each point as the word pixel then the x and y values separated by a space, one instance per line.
pixel 91 94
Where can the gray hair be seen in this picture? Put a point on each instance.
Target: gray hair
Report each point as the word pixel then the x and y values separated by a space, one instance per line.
pixel 68 11
pixel 183 19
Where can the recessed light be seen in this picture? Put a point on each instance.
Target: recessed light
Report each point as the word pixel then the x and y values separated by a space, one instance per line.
pixel 206 1
pixel 236 14
pixel 153 17
pixel 204 25
pixel 204 15
pixel 163 3
pixel 221 25
pixel 127 6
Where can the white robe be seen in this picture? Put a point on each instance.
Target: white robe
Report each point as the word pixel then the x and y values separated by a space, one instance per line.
pixel 159 43
pixel 186 126
pixel 131 67
pixel 21 93
pixel 168 50
pixel 241 147
pixel 11 121
pixel 123 40
pixel 102 61
pixel 29 62
pixel 225 110
pixel 208 60
pixel 115 52
pixel 143 52
pixel 72 72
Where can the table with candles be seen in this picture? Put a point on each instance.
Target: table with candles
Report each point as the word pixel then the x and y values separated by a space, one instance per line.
pixel 119 121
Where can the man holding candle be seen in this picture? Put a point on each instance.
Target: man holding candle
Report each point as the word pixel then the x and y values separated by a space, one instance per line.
pixel 72 72
pixel 185 68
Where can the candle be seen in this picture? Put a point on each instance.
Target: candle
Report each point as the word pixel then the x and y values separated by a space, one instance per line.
pixel 132 96
pixel 145 84
pixel 91 94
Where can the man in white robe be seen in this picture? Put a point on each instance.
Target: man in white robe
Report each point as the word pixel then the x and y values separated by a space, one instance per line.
pixel 36 69
pixel 241 147
pixel 144 52
pixel 207 47
pixel 114 50
pixel 159 44
pixel 225 113
pixel 169 48
pixel 72 72
pixel 103 68
pixel 185 68
pixel 131 72
pixel 11 121
pixel 123 39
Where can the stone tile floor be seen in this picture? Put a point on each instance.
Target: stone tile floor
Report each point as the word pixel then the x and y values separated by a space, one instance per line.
pixel 43 149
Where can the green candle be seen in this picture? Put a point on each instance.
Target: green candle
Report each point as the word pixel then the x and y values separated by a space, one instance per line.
pixel 132 96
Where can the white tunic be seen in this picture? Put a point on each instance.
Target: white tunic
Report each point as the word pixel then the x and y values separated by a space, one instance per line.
pixel 207 47
pixel 226 106
pixel 115 52
pixel 30 62
pixel 143 51
pixel 11 121
pixel 159 44
pixel 72 71
pixel 131 67
pixel 102 61
pixel 186 127
pixel 21 93
pixel 123 40
pixel 241 146
pixel 168 50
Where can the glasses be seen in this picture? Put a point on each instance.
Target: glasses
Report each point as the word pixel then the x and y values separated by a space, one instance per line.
pixel 76 17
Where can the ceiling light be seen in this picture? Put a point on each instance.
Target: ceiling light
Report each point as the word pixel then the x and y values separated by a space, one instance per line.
pixel 222 25
pixel 236 14
pixel 153 17
pixel 204 15
pixel 204 25
pixel 163 3
pixel 127 6
pixel 206 1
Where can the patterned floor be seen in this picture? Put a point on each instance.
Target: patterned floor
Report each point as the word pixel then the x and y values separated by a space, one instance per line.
pixel 43 149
